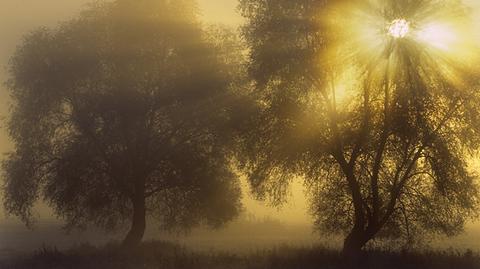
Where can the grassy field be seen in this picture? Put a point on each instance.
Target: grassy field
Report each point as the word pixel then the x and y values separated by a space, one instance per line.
pixel 241 245
pixel 164 255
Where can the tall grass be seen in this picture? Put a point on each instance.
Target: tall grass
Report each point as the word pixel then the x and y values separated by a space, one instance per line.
pixel 165 255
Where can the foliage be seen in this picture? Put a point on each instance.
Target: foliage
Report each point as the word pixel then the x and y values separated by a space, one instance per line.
pixel 122 110
pixel 389 159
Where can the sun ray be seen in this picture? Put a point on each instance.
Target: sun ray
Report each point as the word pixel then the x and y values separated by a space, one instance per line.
pixel 376 41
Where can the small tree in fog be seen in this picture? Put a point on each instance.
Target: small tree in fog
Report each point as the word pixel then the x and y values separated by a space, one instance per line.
pixel 121 114
pixel 378 123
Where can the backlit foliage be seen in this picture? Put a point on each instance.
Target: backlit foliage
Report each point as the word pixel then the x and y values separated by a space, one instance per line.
pixel 380 128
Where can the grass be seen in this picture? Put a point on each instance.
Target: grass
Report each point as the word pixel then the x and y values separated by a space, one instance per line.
pixel 171 256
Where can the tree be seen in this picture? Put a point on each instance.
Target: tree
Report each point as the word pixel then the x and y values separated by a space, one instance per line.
pixel 121 114
pixel 379 123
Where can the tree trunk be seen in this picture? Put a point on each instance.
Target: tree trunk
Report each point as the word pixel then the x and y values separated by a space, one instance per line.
pixel 137 230
pixel 354 242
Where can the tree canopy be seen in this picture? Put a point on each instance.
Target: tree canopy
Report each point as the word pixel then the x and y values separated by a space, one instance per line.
pixel 379 127
pixel 123 113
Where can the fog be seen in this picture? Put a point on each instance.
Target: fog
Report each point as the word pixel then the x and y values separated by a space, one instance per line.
pixel 18 18
pixel 290 223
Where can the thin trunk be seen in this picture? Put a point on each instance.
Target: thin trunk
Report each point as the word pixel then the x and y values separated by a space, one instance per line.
pixel 137 229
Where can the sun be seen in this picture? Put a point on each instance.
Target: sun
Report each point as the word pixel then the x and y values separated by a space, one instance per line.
pixel 399 28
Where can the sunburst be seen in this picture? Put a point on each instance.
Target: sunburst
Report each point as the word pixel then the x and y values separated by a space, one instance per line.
pixel 399 28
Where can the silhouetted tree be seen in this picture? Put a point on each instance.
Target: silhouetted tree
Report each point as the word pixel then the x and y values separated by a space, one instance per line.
pixel 121 114
pixel 389 160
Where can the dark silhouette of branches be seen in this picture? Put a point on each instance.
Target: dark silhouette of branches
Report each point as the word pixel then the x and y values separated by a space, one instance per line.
pixel 122 113
pixel 389 161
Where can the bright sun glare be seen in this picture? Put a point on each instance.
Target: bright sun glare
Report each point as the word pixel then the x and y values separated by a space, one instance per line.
pixel 440 35
pixel 399 28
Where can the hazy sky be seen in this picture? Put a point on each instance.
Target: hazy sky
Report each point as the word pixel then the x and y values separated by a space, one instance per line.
pixel 18 17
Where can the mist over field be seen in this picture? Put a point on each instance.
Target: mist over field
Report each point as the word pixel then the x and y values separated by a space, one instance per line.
pixel 259 227
pixel 291 224
pixel 261 216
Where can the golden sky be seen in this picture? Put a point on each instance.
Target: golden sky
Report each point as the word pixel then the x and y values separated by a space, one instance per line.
pixel 220 11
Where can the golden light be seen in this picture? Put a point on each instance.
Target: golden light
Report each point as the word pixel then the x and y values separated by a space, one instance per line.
pixel 449 38
pixel 345 85
pixel 399 28
pixel 374 44
pixel 438 35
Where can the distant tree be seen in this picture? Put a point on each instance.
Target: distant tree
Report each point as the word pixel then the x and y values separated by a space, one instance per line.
pixel 388 159
pixel 121 114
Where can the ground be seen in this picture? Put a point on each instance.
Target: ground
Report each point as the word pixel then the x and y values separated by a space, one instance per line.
pixel 156 254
